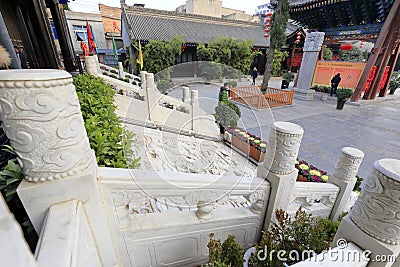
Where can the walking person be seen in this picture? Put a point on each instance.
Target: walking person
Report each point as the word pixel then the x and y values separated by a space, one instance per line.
pixel 335 83
pixel 254 75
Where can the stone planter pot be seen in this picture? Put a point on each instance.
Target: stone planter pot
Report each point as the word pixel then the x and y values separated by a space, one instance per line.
pixel 256 154
pixel 340 104
pixel 301 178
pixel 241 145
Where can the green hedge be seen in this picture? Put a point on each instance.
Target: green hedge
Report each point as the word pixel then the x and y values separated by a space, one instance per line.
pixel 112 144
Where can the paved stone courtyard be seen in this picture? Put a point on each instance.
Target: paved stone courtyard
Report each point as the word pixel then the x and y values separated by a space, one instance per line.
pixel 373 128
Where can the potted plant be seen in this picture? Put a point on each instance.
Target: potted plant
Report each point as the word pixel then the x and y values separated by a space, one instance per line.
pixel 225 116
pixel 394 83
pixel 288 77
pixel 343 94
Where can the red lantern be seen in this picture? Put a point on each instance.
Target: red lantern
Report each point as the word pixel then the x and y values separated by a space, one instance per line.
pixel 266 35
pixel 298 37
pixel 361 46
pixel 266 30
pixel 297 41
pixel 269 14
pixel 299 33
pixel 267 24
pixel 268 19
pixel 346 47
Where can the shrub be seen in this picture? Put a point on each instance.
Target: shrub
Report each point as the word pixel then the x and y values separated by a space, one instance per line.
pixel 112 144
pixel 343 94
pixel 10 178
pixel 225 115
pixel 300 234
pixel 164 86
pixel 230 253
pixel 232 84
pixel 288 76
pixel 234 107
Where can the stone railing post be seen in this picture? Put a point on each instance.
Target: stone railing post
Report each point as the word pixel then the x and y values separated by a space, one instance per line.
pixel 91 65
pixel 143 80
pixel 42 118
pixel 151 93
pixel 194 102
pixel 185 94
pixel 121 72
pixel 278 167
pixel 374 221
pixel 344 176
pixel 312 46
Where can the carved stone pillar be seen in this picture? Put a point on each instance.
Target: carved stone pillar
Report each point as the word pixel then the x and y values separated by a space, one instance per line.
pixel 194 102
pixel 91 65
pixel 312 46
pixel 344 176
pixel 185 94
pixel 377 209
pixel 121 72
pixel 374 221
pixel 152 93
pixel 42 118
pixel 279 166
pixel 43 121
pixel 143 80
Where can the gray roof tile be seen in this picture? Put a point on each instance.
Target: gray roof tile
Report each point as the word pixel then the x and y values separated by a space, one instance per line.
pixel 151 24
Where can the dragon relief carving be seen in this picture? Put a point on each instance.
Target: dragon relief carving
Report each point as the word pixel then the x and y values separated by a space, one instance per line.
pixel 131 203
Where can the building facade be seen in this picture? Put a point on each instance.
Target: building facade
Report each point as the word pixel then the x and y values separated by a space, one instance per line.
pixel 213 8
pixel 264 9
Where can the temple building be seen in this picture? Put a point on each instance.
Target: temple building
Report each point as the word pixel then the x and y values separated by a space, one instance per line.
pixel 145 24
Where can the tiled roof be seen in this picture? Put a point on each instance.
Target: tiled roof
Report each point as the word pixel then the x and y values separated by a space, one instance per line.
pixel 151 24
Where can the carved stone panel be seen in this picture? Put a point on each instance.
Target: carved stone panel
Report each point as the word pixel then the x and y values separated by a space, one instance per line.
pixel 42 118
pixel 313 42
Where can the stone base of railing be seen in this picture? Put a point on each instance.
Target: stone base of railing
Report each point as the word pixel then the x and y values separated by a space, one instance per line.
pixel 349 231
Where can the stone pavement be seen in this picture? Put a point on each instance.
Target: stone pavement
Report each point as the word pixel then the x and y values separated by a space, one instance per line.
pixel 372 128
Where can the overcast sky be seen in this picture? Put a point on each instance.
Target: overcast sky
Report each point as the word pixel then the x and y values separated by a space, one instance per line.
pixel 91 5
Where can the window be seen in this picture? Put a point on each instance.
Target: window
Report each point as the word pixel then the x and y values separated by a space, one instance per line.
pixel 80 33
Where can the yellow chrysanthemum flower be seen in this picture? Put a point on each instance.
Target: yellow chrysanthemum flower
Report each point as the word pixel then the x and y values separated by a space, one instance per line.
pixel 263 145
pixel 297 162
pixel 257 141
pixel 324 178
pixel 304 167
pixel 315 172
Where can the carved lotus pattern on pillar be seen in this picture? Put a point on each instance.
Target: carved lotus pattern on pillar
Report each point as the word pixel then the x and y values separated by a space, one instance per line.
pixel 377 210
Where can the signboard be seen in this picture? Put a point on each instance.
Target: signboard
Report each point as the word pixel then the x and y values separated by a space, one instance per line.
pixel 350 72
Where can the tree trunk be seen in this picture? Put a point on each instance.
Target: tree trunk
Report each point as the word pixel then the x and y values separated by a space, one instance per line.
pixel 270 55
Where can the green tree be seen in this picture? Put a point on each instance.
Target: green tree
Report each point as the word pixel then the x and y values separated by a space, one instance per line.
pixel 355 54
pixel 279 56
pixel 160 55
pixel 327 53
pixel 278 37
pixel 228 51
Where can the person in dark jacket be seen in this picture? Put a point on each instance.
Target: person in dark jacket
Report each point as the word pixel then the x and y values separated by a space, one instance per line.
pixel 254 75
pixel 335 83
